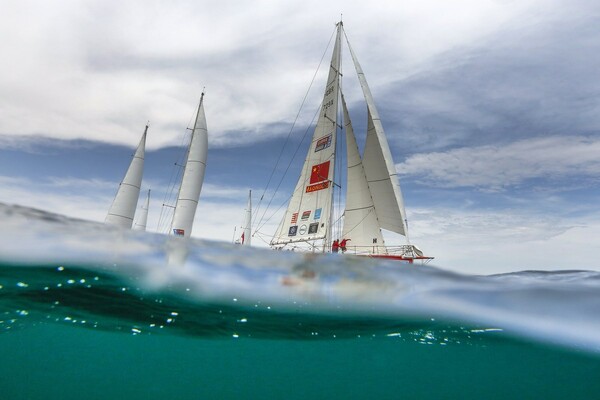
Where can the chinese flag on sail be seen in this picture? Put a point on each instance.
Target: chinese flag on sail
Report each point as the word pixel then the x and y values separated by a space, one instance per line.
pixel 320 172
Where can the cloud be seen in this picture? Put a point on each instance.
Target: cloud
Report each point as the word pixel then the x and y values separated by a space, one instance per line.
pixel 494 241
pixel 25 192
pixel 537 76
pixel 221 208
pixel 98 71
pixel 570 160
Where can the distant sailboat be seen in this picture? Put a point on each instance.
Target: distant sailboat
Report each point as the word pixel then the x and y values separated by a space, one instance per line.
pixel 373 196
pixel 193 177
pixel 246 237
pixel 123 207
pixel 142 220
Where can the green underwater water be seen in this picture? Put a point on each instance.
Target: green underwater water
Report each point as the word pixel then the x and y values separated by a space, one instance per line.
pixel 89 312
pixel 55 361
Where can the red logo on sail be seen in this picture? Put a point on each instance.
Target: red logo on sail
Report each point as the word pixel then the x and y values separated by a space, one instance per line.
pixel 294 218
pixel 319 172
pixel 318 186
pixel 323 143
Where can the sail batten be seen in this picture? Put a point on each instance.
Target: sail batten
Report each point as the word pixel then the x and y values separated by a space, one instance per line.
pixel 193 177
pixel 122 209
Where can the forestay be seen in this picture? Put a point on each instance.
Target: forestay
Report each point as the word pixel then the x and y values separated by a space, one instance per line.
pixel 307 217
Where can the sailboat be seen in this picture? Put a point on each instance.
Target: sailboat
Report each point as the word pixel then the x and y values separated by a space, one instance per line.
pixel 193 177
pixel 123 207
pixel 373 197
pixel 246 236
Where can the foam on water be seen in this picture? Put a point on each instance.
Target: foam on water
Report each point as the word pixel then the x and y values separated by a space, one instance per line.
pixel 88 274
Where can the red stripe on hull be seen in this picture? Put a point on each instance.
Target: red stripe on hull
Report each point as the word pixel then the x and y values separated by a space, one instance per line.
pixel 398 258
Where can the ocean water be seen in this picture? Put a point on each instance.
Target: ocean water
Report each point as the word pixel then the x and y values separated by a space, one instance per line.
pixel 91 312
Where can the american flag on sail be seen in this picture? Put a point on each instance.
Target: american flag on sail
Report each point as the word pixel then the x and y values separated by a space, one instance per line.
pixel 178 232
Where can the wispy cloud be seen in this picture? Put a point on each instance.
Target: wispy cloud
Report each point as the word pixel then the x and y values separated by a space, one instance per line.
pixel 498 167
pixel 26 192
pixel 486 241
pixel 537 76
pixel 220 210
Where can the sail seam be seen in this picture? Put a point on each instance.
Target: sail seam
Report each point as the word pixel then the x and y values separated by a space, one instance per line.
pixel 358 208
pixel 119 215
pixel 380 180
pixel 130 184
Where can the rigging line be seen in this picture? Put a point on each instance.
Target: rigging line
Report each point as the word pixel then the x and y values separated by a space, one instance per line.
pixel 275 212
pixel 176 176
pixel 175 171
pixel 293 126
pixel 170 196
pixel 365 217
pixel 261 236
pixel 288 167
pixel 301 188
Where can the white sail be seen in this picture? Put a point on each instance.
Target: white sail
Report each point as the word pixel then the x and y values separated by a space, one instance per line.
pixel 379 166
pixel 142 220
pixel 373 197
pixel 193 177
pixel 246 238
pixel 307 217
pixel 123 207
pixel 361 227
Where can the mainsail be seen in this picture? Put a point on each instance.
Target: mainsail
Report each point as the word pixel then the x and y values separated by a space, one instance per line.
pixel 193 177
pixel 123 207
pixel 307 217
pixel 142 219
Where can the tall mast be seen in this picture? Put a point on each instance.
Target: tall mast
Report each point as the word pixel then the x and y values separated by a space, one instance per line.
pixel 123 207
pixel 329 237
pixel 193 177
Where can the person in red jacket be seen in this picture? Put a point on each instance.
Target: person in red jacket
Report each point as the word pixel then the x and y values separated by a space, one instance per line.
pixel 343 245
pixel 335 246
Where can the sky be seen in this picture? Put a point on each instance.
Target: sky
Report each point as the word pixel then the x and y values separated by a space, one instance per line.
pixel 491 109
